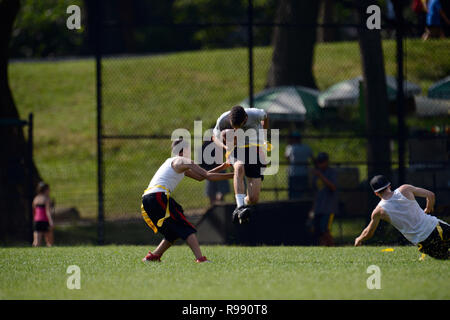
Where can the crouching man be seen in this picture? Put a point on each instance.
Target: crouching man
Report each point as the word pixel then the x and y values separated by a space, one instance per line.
pixel 400 208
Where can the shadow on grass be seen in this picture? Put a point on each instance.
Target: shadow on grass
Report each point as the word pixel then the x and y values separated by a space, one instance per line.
pixel 130 232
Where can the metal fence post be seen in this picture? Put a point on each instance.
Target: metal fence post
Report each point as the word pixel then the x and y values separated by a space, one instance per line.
pixel 250 51
pixel 400 95
pixel 30 175
pixel 100 175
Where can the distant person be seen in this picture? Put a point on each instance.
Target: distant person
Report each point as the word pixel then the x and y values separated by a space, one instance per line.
pixel 435 19
pixel 390 17
pixel 43 222
pixel 400 208
pixel 419 7
pixel 298 155
pixel 326 200
pixel 214 190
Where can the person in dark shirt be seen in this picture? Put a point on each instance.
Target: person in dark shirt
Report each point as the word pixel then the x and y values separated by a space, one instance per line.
pixel 298 155
pixel 326 201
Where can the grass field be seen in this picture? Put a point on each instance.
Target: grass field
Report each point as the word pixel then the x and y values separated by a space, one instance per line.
pixel 116 272
pixel 156 94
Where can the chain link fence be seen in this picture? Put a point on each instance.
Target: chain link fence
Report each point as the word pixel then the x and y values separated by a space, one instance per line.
pixel 145 96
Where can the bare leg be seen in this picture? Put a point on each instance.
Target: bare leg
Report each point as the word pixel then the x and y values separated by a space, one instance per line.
pixel 35 239
pixel 162 247
pixel 193 244
pixel 49 237
pixel 238 179
pixel 39 236
pixel 253 190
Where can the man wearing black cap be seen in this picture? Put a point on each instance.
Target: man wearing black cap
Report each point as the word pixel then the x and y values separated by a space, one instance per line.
pixel 326 201
pixel 400 208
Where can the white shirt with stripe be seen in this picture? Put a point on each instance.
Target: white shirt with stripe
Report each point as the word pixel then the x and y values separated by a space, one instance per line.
pixel 165 176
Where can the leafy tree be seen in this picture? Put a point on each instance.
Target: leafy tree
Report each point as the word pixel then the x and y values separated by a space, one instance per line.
pixel 40 30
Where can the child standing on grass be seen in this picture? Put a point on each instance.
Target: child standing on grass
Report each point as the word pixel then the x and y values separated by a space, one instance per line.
pixel 162 213
pixel 43 222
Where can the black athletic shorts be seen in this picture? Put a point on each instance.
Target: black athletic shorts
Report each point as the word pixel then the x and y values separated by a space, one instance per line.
pixel 41 226
pixel 437 244
pixel 252 161
pixel 174 227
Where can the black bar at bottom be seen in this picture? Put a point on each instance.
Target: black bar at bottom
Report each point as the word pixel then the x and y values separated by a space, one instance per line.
pixel 223 309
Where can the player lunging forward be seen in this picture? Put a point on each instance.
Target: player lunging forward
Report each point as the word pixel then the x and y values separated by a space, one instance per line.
pixel 162 213
pixel 249 162
pixel 400 208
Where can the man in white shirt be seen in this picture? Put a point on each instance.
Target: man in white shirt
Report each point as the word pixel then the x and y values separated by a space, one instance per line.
pixel 162 213
pixel 247 158
pixel 400 208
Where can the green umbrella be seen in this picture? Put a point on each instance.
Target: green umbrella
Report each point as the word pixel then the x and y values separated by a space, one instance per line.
pixel 440 89
pixel 287 103
pixel 346 92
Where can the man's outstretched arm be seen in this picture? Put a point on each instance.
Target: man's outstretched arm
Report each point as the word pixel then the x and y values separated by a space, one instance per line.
pixel 368 232
pixel 194 171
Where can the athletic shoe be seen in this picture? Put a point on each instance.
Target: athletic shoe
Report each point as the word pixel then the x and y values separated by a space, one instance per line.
pixel 202 259
pixel 152 257
pixel 235 216
pixel 244 214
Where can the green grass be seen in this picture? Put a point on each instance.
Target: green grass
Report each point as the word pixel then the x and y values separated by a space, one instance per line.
pixel 116 272
pixel 156 94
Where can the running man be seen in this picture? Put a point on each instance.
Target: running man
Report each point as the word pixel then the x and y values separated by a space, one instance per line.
pixel 400 208
pixel 249 162
pixel 162 213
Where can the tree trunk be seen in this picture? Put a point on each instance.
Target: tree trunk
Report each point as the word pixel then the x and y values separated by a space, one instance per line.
pixel 326 16
pixel 376 101
pixel 15 219
pixel 293 47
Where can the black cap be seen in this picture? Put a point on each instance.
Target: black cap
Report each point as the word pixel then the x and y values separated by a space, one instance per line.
pixel 321 157
pixel 379 183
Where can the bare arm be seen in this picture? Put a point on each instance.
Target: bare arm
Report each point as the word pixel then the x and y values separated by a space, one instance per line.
pixel 265 122
pixel 410 192
pixel 221 167
pixel 327 182
pixel 368 232
pixel 444 16
pixel 219 142
pixel 194 171
pixel 47 212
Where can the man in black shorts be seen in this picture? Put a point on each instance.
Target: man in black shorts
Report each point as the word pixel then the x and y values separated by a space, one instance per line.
pixel 162 213
pixel 245 153
pixel 400 208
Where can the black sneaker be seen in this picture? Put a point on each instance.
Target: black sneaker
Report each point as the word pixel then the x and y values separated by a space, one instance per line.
pixel 244 214
pixel 235 216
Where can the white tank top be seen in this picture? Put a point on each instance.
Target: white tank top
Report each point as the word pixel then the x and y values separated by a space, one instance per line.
pixel 166 177
pixel 408 217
